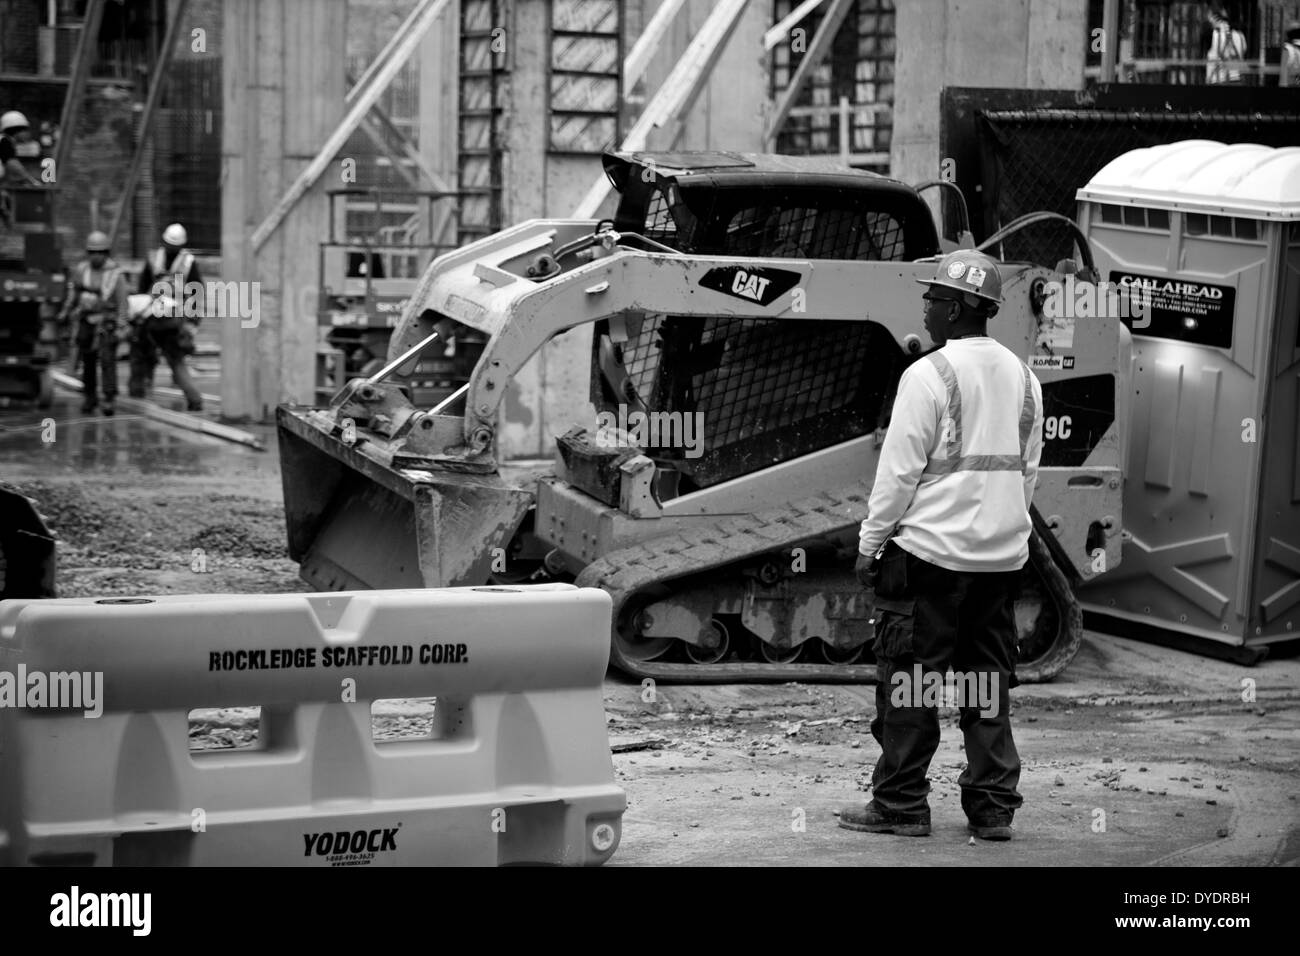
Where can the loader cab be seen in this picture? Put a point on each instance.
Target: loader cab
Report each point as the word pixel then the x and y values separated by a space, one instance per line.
pixel 796 207
pixel 767 390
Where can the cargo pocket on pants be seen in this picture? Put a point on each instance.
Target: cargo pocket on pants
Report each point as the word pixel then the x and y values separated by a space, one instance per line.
pixel 895 628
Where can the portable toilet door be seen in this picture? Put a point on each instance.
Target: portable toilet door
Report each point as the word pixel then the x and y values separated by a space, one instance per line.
pixel 1210 234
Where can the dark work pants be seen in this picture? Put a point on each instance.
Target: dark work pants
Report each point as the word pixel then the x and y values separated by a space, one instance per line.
pixel 941 619
pixel 97 345
pixel 144 359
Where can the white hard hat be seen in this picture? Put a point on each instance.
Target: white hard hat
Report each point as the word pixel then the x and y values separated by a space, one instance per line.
pixel 13 120
pixel 175 235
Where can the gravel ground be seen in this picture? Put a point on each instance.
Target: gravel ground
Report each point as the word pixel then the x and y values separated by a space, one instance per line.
pixel 162 537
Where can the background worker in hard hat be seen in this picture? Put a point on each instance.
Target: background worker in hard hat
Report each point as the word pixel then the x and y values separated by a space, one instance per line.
pixel 1290 67
pixel 96 302
pixel 1225 61
pixel 946 534
pixel 167 329
pixel 14 133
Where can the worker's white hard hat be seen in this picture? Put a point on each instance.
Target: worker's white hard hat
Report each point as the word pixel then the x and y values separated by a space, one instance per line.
pixel 175 235
pixel 971 274
pixel 13 120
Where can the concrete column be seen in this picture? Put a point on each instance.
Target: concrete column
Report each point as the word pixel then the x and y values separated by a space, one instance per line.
pixel 730 111
pixel 439 103
pixel 526 124
pixel 1028 44
pixel 283 85
pixel 1058 45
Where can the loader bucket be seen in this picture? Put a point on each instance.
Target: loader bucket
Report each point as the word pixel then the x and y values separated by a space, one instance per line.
pixel 356 522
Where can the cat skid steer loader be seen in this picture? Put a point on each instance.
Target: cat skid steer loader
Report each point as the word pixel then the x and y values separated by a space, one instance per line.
pixel 751 317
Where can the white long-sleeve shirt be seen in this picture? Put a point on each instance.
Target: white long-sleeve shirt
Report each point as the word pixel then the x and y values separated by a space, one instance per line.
pixel 959 463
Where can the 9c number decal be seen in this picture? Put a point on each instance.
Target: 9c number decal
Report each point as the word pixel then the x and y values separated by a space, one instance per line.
pixel 1056 427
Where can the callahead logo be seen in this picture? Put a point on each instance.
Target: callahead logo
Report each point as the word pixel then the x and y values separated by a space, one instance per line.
pixel 350 847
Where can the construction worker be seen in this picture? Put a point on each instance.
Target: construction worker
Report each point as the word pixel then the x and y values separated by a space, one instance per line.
pixel 1290 67
pixel 1226 58
pixel 943 543
pixel 96 300
pixel 170 274
pixel 14 132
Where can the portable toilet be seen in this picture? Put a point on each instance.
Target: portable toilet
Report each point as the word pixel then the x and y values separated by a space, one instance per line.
pixel 1211 234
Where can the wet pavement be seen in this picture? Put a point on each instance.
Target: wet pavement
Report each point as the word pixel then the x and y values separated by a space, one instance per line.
pixel 62 439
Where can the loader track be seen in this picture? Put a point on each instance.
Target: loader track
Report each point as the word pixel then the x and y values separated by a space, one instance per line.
pixel 630 573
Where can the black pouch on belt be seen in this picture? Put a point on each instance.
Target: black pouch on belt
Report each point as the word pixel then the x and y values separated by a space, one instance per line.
pixel 893 572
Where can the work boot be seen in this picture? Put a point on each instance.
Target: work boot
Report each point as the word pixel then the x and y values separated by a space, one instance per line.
pixel 108 409
pixel 194 406
pixel 994 827
pixel 873 818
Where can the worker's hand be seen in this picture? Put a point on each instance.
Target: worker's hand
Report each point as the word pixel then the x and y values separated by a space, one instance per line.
pixel 865 569
pixel 185 339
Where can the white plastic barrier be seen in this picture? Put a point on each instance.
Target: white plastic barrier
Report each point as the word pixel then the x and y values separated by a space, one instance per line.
pixel 517 768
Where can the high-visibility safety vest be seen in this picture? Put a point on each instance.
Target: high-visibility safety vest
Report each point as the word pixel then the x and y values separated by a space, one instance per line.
pixel 176 275
pixel 955 459
pixel 92 296
pixel 1290 75
pixel 951 487
pixel 1227 56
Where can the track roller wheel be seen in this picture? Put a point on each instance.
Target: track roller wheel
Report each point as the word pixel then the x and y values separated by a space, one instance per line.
pixel 699 654
pixel 631 646
pixel 780 655
pixel 831 654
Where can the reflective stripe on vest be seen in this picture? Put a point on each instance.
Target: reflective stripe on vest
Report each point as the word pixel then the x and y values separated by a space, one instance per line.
pixel 955 460
pixel 180 267
pixel 107 279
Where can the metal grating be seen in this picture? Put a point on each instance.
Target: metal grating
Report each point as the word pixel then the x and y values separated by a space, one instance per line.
pixel 1171 39
pixel 641 355
pixel 767 390
pixel 483 76
pixel 811 233
pixel 773 374
pixel 659 222
pixel 1046 153
pixel 187 153
pixel 585 74
pixel 859 67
